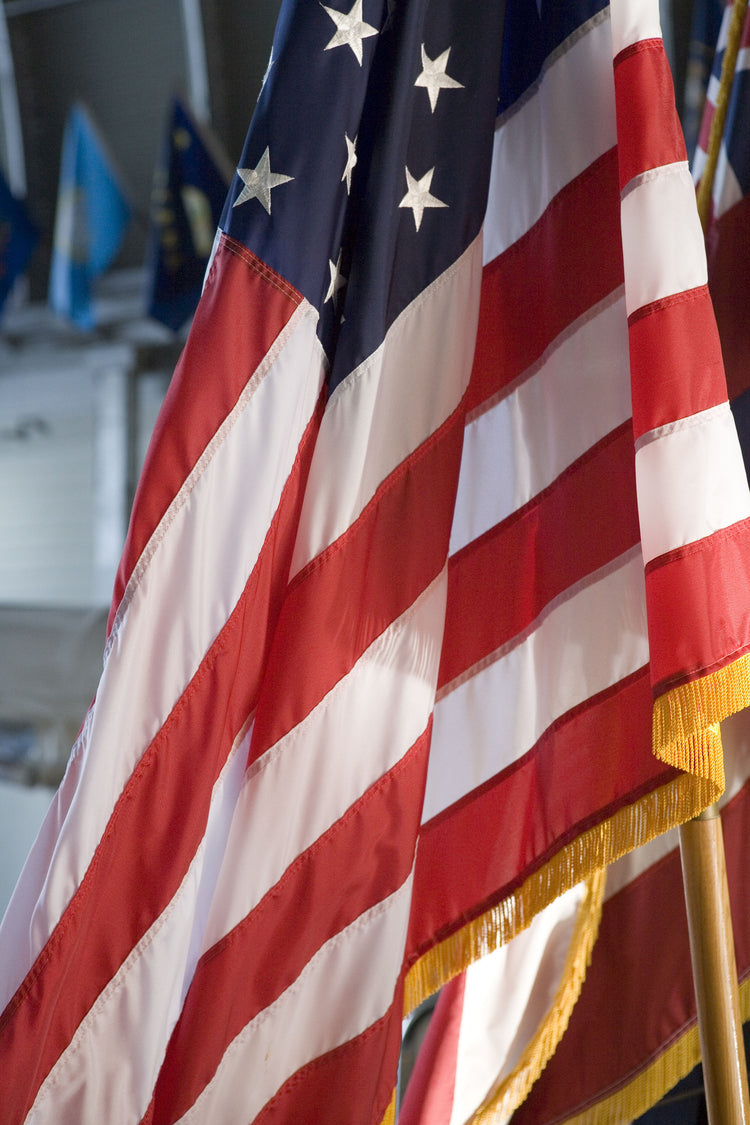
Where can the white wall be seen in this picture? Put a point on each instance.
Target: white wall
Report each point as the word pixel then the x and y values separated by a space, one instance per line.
pixel 21 813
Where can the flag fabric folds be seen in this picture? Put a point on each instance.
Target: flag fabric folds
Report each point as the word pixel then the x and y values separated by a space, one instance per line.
pixel 435 587
pixel 91 219
pixel 637 1004
pixel 631 1032
pixel 190 186
pixel 495 1026
pixel 728 220
pixel 18 237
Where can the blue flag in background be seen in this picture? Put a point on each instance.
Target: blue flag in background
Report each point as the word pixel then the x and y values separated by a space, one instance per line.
pixel 18 238
pixel 92 216
pixel 188 196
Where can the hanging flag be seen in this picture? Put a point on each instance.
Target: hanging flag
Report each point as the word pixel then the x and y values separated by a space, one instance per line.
pixel 415 580
pixel 633 1033
pixel 496 1025
pixel 728 224
pixel 90 222
pixel 704 34
pixel 190 186
pixel 630 1033
pixel 18 237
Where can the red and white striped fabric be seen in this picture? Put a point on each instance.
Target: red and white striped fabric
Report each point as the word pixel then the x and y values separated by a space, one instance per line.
pixel 728 215
pixel 496 1025
pixel 633 1033
pixel 378 682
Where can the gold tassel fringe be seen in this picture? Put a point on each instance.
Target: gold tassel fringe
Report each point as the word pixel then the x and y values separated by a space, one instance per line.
pixel 390 1113
pixel 657 812
pixel 650 1086
pixel 539 1050
pixel 686 720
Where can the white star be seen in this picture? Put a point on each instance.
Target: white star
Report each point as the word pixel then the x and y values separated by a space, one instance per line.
pixel 434 77
pixel 418 195
pixel 259 182
pixel 351 160
pixel 338 281
pixel 351 29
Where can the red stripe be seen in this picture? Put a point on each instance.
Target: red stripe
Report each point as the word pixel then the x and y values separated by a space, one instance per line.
pixel 675 360
pixel 429 1095
pixel 479 850
pixel 223 337
pixel 567 532
pixel 364 857
pixel 705 129
pixel 155 828
pixel 697 597
pixel 569 261
pixel 729 281
pixel 648 129
pixel 352 592
pixel 353 1083
pixel 638 993
pixel 630 1004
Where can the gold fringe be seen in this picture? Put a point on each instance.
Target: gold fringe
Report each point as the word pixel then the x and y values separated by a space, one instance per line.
pixel 390 1113
pixel 650 1086
pixel 686 720
pixel 671 804
pixel 734 35
pixel 515 1088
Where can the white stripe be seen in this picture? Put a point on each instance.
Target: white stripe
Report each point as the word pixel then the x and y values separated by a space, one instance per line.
pixel 699 163
pixel 507 994
pixel 186 585
pixel 567 124
pixel 743 60
pixel 585 642
pixel 108 1071
pixel 391 404
pixel 727 189
pixel 662 242
pixel 345 988
pixel 588 364
pixel 712 89
pixel 380 708
pixel 690 480
pixel 632 21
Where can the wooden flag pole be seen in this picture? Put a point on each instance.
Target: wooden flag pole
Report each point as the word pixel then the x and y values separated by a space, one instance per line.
pixel 704 872
pixel 714 969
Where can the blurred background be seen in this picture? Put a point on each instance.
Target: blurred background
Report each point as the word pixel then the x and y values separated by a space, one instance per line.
pixel 153 97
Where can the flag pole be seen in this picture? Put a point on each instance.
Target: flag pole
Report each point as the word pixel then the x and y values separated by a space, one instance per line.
pixel 704 872
pixel 714 969
pixel 716 132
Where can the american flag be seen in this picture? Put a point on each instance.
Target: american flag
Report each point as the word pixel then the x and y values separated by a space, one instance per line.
pixel 728 219
pixel 383 651
pixel 635 1021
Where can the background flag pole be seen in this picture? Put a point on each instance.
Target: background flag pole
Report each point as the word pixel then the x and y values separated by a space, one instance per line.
pixel 704 872
pixel 714 969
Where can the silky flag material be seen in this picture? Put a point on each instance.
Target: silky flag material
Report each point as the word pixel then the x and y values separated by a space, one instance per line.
pixel 728 225
pixel 496 1025
pixel 190 186
pixel 436 584
pixel 630 1034
pixel 633 1033
pixel 91 219
pixel 18 237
